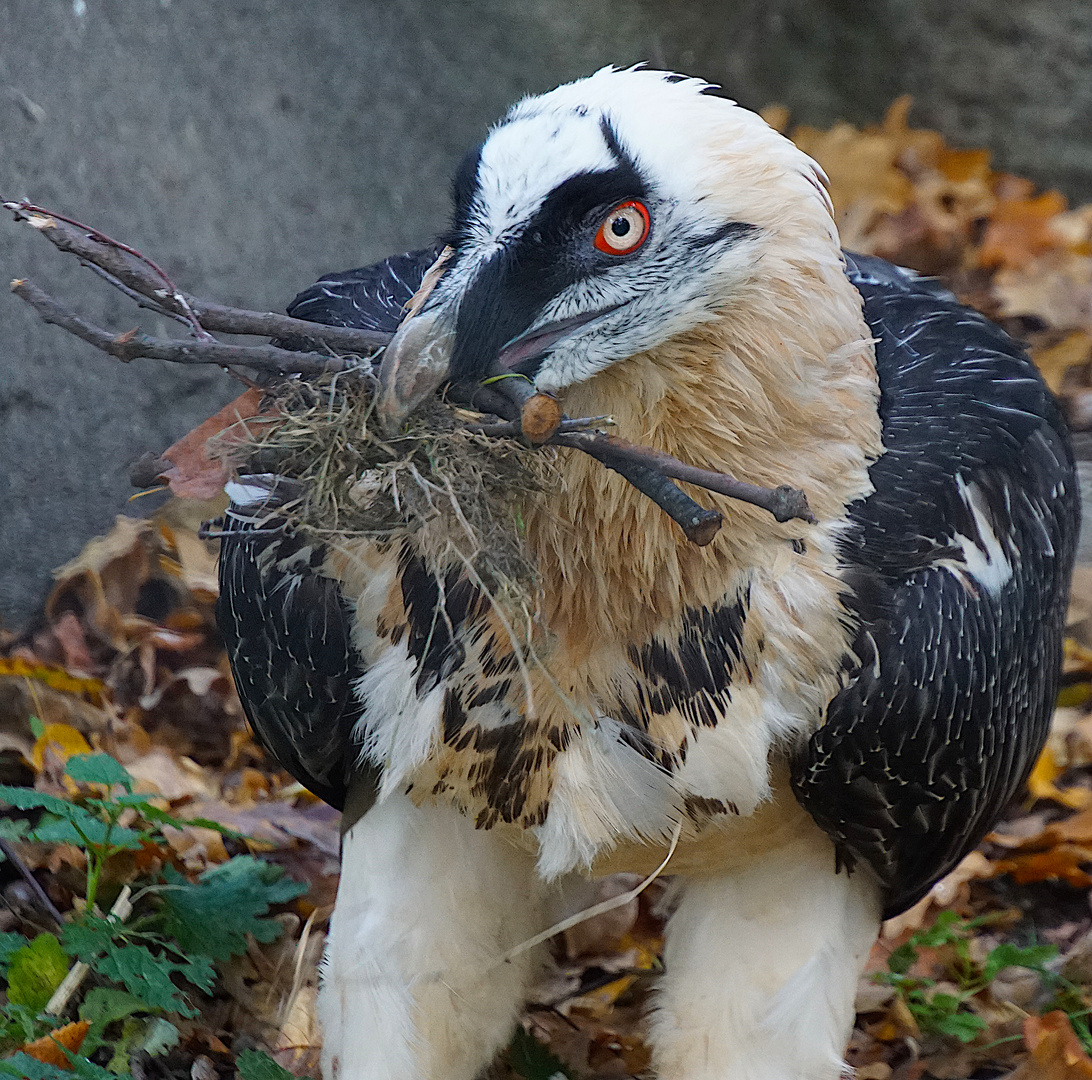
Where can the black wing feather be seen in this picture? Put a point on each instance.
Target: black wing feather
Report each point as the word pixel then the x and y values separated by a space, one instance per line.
pixel 287 632
pixel 950 696
pixel 370 298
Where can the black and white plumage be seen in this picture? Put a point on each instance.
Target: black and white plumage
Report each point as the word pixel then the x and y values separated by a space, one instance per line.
pixel 371 298
pixel 891 669
pixel 958 644
pixel 288 631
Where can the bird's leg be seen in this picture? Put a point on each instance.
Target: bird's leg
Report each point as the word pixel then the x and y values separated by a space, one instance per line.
pixel 415 986
pixel 762 963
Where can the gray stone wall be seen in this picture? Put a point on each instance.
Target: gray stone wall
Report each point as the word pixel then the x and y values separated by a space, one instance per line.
pixel 249 145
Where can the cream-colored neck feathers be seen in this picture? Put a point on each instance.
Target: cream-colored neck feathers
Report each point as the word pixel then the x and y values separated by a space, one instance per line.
pixel 779 387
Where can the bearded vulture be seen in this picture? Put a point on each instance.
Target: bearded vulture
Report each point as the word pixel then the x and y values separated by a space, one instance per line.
pixel 824 717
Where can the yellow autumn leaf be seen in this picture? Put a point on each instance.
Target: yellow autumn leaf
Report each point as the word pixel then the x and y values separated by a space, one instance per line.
pixel 55 677
pixel 1041 784
pixel 1074 350
pixel 60 741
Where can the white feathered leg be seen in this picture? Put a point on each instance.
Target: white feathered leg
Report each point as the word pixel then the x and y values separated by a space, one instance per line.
pixel 761 968
pixel 426 906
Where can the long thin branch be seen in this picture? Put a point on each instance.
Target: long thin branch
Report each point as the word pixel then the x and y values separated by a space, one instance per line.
pixel 650 471
pixel 343 339
pixel 784 502
pixel 136 273
pixel 134 345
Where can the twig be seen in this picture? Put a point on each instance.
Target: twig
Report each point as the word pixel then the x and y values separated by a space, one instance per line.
pixel 133 345
pixel 343 339
pixel 133 270
pixel 650 471
pixel 140 301
pixel 29 211
pixel 40 894
pixel 508 397
pixel 511 429
pixel 57 1004
pixel 698 523
pixel 784 502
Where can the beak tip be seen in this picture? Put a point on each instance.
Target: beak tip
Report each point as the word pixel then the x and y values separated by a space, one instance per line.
pixel 391 414
pixel 414 365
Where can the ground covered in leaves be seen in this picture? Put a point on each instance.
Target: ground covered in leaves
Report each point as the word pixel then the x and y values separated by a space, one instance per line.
pixel 166 905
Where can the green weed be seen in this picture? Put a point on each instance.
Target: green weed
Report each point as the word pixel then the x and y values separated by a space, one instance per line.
pixel 144 968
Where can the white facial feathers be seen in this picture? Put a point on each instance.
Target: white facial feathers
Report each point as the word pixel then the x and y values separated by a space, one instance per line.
pixel 720 187
pixel 705 154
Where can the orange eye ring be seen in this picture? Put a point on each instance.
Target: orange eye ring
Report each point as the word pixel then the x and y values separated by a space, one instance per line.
pixel 624 229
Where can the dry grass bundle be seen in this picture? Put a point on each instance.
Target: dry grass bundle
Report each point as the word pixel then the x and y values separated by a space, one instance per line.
pixel 459 492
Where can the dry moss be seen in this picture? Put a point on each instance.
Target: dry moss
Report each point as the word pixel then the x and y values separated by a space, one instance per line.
pixel 458 491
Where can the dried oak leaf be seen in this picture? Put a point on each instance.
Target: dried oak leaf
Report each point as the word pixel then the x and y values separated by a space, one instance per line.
pixel 1056 361
pixel 1071 731
pixel 102 584
pixel 192 559
pixel 1056 1052
pixel 1020 229
pixel 1055 288
pixel 945 893
pixel 25 667
pixel 1063 862
pixel 193 473
pixel 56 744
pixel 1041 782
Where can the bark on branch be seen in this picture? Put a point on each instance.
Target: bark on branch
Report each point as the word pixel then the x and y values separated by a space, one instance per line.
pixel 133 345
pixel 784 502
pixel 143 276
pixel 650 471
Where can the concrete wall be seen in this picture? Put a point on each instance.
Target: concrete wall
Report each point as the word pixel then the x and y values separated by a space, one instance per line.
pixel 249 145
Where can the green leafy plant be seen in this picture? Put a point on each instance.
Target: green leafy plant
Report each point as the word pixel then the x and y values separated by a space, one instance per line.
pixel 939 1012
pixel 255 1065
pixel 146 960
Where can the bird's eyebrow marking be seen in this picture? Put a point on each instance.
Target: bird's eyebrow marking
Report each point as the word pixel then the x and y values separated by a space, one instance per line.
pixel 614 144
pixel 732 231
pixel 464 190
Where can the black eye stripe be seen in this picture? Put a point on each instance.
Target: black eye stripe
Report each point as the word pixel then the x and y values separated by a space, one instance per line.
pixel 584 200
pixel 551 253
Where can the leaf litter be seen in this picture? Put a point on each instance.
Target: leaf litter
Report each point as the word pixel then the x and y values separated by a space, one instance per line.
pixel 990 975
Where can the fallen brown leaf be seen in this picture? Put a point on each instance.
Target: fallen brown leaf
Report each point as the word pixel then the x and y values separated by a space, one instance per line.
pixel 1056 1052
pixel 194 473
pixel 1041 783
pixel 48 1048
pixel 1056 361
pixel 1054 288
pixel 1063 862
pixel 1019 230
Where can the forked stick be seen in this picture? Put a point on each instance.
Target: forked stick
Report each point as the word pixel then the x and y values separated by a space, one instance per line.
pixel 523 412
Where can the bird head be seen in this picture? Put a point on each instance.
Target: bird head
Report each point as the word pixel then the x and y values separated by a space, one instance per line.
pixel 601 220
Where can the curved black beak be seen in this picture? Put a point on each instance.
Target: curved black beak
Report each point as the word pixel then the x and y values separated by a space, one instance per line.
pixel 419 358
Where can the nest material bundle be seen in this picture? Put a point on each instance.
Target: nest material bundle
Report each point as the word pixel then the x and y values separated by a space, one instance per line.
pixel 459 492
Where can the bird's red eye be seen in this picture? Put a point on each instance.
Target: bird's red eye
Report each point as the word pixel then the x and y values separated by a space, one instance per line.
pixel 624 229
